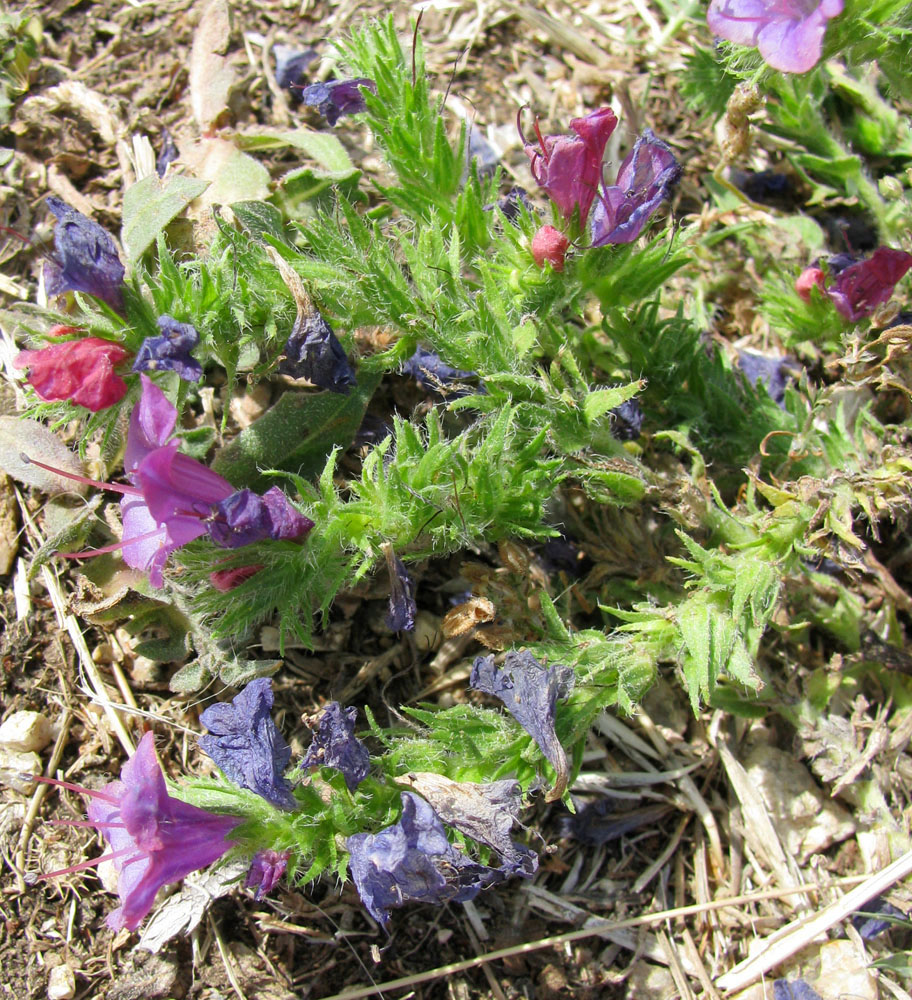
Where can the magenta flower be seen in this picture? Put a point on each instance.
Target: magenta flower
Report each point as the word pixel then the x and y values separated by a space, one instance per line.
pixel 569 167
pixel 648 173
pixel 155 839
pixel 788 33
pixel 856 287
pixel 81 371
pixel 266 869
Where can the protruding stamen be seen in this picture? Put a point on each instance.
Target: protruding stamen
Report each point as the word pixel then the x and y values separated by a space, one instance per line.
pixel 114 487
pixel 99 825
pixel 113 547
pixel 76 788
pixel 91 863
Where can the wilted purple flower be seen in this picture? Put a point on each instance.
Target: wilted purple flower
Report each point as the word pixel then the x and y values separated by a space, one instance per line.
pixel 772 373
pixel 402 606
pixel 86 258
pixel 485 812
pixel 168 153
pixel 481 151
pixel 569 167
pixel 338 97
pixel 788 33
pixel 529 693
pixel 870 922
pixel 290 67
pixel 862 285
pixel 435 376
pixel 313 352
pixel 266 868
pixel 412 861
pixel 170 351
pixel 793 989
pixel 510 202
pixel 627 420
pixel 246 744
pixel 647 174
pixel 598 822
pixel 155 839
pixel 335 745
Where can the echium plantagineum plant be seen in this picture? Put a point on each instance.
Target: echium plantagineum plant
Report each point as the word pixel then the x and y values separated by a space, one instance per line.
pixel 486 301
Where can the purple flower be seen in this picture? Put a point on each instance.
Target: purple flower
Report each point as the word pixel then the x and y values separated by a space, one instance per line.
pixel 877 916
pixel 86 258
pixel 171 351
pixel 402 606
pixel 155 839
pixel 793 989
pixel 644 180
pixel 246 517
pixel 313 352
pixel 266 868
pixel 772 373
pixel 413 861
pixel 335 745
pixel 788 33
pixel 246 744
pixel 168 153
pixel 529 693
pixel 436 376
pixel 338 97
pixel 861 286
pixel 291 64
pixel 569 167
pixel 627 420
pixel 484 812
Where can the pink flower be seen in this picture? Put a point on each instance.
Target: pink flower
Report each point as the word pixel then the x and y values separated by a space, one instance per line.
pixel 81 371
pixel 550 244
pixel 788 33
pixel 856 287
pixel 569 167
pixel 155 839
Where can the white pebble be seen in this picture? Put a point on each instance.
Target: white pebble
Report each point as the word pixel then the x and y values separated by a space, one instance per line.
pixel 61 983
pixel 26 731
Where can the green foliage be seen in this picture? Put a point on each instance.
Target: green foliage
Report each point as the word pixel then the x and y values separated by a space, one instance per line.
pixel 20 38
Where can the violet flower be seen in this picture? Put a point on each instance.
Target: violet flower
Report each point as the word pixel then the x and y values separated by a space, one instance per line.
pixel 627 420
pixel 247 746
pixel 569 167
pixel 510 203
pixel 86 258
pixel 338 97
pixel 290 67
pixel 155 839
pixel 772 373
pixel 313 352
pixel 646 176
pixel 412 861
pixel 175 499
pixel 170 351
pixel 266 869
pixel 788 33
pixel 81 371
pixel 529 693
pixel 402 606
pixel 167 154
pixel 335 745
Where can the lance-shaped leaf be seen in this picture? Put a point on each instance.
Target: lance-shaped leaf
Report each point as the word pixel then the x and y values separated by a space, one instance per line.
pixel 529 692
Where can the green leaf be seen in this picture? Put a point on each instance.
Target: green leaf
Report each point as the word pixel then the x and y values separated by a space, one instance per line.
pixel 149 205
pixel 322 147
pixel 598 403
pixel 191 677
pixel 260 218
pixel 296 434
pixel 240 672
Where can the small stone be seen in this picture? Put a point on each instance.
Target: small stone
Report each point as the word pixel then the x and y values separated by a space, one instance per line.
pixel 26 732
pixel 843 972
pixel 61 983
pixel 16 768
pixel 807 820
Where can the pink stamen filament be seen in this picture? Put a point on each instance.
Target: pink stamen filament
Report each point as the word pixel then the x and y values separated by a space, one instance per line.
pixel 541 141
pixel 100 825
pixel 77 788
pixel 91 863
pixel 113 547
pixel 114 487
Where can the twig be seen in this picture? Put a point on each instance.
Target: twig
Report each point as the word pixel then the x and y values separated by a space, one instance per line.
pixel 227 960
pixel 801 932
pixel 594 929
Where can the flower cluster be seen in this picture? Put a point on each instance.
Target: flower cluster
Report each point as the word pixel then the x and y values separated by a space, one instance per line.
pixel 855 286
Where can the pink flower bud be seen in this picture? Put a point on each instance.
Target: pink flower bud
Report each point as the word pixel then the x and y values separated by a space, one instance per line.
pixel 805 281
pixel 550 244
